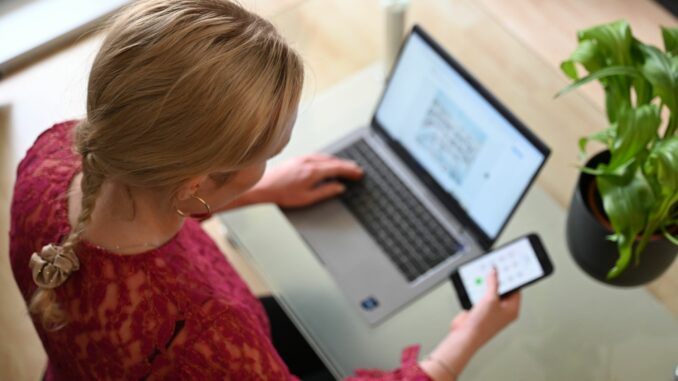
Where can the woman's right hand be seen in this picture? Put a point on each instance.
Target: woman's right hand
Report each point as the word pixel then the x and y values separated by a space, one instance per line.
pixel 490 315
pixel 470 330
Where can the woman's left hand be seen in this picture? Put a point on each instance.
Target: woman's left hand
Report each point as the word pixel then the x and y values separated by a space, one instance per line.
pixel 306 180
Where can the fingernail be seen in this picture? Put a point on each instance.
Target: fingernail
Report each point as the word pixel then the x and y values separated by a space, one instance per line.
pixel 341 188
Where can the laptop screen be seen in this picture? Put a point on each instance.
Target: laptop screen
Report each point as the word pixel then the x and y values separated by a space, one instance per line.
pixel 456 135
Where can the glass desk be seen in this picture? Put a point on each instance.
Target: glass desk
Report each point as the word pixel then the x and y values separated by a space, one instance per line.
pixel 570 327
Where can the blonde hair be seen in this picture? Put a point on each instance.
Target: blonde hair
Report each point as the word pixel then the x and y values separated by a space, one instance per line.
pixel 178 88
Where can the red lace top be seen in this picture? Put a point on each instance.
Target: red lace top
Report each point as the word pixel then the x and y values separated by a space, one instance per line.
pixel 178 312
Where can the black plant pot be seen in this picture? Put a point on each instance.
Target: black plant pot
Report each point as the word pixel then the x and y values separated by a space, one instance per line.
pixel 595 254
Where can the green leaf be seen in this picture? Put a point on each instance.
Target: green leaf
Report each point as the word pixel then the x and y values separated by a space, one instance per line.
pixel 623 171
pixel 613 41
pixel 641 86
pixel 605 136
pixel 643 90
pixel 670 37
pixel 662 72
pixel 627 201
pixel 669 236
pixel 617 97
pixel 614 44
pixel 602 73
pixel 662 164
pixel 625 251
pixel 568 67
pixel 636 129
pixel 592 171
pixel 585 54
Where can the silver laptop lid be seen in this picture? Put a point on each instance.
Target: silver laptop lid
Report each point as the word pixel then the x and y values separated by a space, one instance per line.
pixel 477 157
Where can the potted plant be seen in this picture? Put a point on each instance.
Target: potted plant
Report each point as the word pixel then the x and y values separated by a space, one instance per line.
pixel 624 210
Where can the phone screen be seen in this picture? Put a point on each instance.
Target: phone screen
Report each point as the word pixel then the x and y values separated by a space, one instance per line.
pixel 517 263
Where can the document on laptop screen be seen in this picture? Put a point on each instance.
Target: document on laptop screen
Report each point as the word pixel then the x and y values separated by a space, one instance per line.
pixel 467 146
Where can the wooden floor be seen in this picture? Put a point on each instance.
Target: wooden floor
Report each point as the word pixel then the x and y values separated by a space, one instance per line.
pixel 336 38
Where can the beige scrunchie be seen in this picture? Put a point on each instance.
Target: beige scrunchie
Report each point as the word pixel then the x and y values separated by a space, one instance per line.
pixel 52 266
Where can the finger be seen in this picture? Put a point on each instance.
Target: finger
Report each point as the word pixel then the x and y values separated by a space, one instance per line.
pixel 342 160
pixel 325 191
pixel 320 157
pixel 512 303
pixel 336 168
pixel 492 281
pixel 323 158
pixel 339 161
pixel 513 298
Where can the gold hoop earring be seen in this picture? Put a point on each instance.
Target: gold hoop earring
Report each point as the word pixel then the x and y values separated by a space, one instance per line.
pixel 199 216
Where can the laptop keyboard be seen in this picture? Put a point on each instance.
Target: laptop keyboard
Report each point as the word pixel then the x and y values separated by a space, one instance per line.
pixel 412 238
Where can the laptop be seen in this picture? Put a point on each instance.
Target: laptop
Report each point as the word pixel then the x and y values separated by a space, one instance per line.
pixel 446 165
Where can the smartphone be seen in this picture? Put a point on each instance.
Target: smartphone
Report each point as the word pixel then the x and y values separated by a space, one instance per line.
pixel 519 263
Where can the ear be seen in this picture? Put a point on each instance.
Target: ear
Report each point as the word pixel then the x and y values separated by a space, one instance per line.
pixel 190 187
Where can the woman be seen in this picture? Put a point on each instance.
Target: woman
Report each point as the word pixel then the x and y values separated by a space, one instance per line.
pixel 187 99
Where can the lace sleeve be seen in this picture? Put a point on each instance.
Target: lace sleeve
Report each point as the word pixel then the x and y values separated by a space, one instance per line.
pixel 409 370
pixel 230 347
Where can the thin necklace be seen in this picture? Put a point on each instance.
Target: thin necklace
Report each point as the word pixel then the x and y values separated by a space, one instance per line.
pixel 127 247
pixel 145 245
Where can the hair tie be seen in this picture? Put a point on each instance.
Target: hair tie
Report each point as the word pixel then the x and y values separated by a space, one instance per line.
pixel 53 265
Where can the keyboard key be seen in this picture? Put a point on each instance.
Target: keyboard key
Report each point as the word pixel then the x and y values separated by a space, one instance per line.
pixel 411 236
